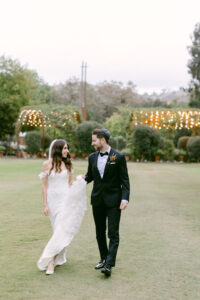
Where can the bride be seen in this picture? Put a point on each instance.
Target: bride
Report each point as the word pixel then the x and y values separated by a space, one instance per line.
pixel 64 202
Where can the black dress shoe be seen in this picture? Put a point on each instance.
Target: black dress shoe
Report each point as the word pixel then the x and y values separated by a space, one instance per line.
pixel 101 264
pixel 107 270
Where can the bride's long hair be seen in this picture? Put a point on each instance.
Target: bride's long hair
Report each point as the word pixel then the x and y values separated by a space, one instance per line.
pixel 57 158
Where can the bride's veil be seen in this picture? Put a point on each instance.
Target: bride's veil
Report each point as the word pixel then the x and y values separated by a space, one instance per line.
pixel 50 148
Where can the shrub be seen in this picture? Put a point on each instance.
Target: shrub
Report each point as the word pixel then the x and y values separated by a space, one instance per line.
pixel 178 153
pixel 118 142
pixel 47 141
pixel 167 146
pixel 10 150
pixel 2 148
pixel 84 136
pixel 160 152
pixel 168 149
pixel 146 141
pixel 117 124
pixel 47 151
pixel 33 142
pixel 181 132
pixel 182 142
pixel 193 147
pixel 113 142
pixel 126 152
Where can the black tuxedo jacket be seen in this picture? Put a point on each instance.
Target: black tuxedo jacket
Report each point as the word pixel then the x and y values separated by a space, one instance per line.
pixel 114 186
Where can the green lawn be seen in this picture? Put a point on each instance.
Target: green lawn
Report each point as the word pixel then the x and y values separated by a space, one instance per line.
pixel 159 253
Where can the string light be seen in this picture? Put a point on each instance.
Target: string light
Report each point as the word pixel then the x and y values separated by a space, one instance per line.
pixel 167 119
pixel 36 118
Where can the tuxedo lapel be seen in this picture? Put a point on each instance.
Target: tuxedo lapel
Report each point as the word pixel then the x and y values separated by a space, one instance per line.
pixel 95 164
pixel 108 163
pixel 96 158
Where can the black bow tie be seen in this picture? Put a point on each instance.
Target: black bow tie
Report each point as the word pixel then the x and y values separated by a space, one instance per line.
pixel 102 154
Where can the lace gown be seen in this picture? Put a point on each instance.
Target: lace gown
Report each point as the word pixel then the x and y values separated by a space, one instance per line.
pixel 67 205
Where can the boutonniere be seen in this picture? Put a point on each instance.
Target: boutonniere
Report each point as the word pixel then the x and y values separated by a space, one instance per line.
pixel 113 157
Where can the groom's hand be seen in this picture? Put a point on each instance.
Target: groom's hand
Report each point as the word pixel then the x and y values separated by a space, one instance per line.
pixel 123 204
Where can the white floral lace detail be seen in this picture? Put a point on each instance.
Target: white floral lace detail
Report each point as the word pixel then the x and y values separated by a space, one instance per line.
pixel 43 174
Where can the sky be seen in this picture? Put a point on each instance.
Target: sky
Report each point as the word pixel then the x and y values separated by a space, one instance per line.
pixel 144 41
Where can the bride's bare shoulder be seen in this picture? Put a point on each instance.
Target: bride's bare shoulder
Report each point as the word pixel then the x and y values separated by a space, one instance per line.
pixel 46 165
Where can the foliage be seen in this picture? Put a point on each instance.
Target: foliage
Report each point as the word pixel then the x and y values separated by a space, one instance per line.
pixel 146 141
pixel 168 148
pixel 102 99
pixel 10 150
pixel 194 68
pixel 67 93
pixel 84 136
pixel 178 153
pixel 160 152
pixel 59 121
pixel 44 94
pixel 47 151
pixel 193 147
pixel 126 152
pixel 156 103
pixel 18 87
pixel 45 141
pixel 181 132
pixel 182 142
pixel 117 124
pixel 33 142
pixel 118 142
pixel 2 148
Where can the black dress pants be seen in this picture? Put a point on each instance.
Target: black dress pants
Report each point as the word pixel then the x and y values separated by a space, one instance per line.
pixel 105 215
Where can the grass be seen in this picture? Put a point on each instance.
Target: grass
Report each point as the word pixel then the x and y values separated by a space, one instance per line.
pixel 158 257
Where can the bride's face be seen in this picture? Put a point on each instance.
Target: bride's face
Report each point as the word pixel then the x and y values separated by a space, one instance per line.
pixel 65 151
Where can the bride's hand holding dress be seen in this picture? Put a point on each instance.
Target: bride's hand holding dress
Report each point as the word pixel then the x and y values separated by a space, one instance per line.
pixel 45 169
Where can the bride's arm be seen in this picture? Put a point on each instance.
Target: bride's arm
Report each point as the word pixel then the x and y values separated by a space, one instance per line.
pixel 45 169
pixel 71 175
pixel 70 178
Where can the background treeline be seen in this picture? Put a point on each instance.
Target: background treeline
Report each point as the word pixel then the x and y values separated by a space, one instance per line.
pixel 20 86
pixel 109 104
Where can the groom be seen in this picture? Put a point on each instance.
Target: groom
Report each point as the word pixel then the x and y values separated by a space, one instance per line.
pixel 110 194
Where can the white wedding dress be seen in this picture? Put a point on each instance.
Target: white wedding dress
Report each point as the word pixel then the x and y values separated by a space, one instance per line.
pixel 67 205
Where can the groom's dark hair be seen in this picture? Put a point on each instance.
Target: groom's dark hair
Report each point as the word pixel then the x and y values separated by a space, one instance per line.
pixel 102 133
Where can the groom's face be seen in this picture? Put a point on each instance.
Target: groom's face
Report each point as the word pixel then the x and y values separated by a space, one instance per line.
pixel 97 143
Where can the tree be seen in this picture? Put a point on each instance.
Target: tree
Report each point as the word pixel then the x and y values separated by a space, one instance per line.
pixel 146 141
pixel 194 68
pixel 57 121
pixel 193 147
pixel 84 135
pixel 118 123
pixel 182 142
pixel 18 87
pixel 167 146
pixel 33 142
pixel 67 93
pixel 102 99
pixel 118 142
pixel 179 133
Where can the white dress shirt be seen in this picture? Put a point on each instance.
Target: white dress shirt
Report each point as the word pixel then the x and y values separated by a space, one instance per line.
pixel 101 163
